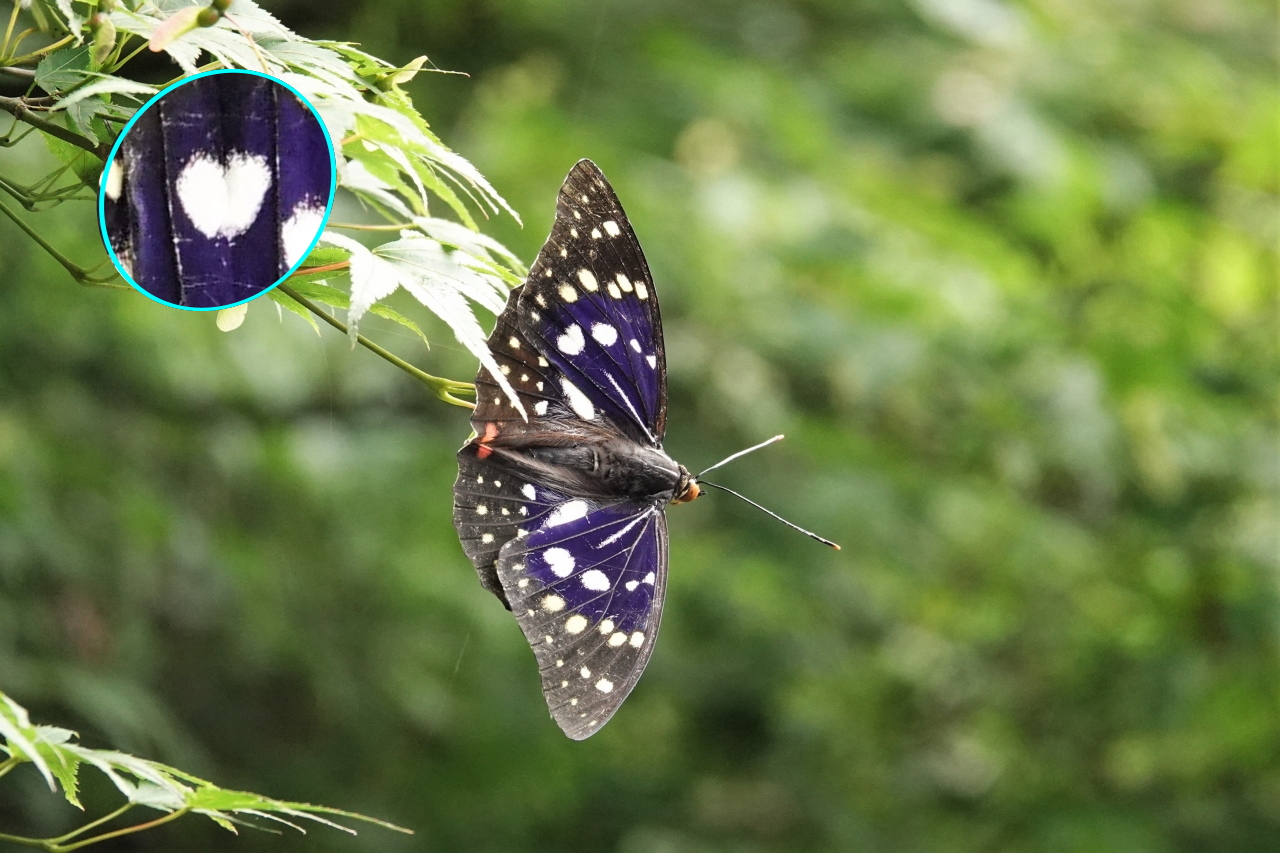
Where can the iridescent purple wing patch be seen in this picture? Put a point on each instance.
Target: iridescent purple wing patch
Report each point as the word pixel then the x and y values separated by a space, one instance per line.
pixel 561 507
pixel 217 190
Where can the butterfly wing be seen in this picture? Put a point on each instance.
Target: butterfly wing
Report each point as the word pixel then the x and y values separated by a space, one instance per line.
pixel 589 306
pixel 587 586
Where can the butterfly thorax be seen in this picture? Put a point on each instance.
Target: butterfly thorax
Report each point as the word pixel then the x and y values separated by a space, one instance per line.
pixel 612 468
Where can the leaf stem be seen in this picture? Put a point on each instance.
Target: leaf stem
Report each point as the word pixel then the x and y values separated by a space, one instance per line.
pixel 8 31
pixel 395 226
pixel 442 388
pixel 91 825
pixel 42 51
pixel 38 843
pixel 78 273
pixel 340 265
pixel 8 764
pixel 151 824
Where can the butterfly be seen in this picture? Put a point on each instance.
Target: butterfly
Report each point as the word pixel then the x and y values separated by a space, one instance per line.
pixel 560 502
pixel 216 189
pixel 564 513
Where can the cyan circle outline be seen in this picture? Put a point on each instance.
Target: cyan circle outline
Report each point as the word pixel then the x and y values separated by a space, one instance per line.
pixel 102 187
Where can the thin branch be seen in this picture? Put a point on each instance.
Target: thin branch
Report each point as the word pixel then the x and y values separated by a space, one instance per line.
pixel 351 226
pixel 8 31
pixel 442 388
pixel 36 54
pixel 77 272
pixel 92 824
pixel 8 764
pixel 18 108
pixel 128 830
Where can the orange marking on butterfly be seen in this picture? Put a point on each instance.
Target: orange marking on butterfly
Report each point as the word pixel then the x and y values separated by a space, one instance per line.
pixel 490 433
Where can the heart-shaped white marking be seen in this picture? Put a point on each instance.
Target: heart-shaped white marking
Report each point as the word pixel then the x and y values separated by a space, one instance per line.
pixel 223 201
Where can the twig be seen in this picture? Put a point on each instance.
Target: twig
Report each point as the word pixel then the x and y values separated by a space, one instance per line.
pixel 441 387
pixel 18 108
pixel 92 824
pixel 77 272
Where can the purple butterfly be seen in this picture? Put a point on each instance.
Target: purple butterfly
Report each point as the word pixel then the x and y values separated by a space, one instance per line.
pixel 563 514
pixel 217 189
pixel 562 509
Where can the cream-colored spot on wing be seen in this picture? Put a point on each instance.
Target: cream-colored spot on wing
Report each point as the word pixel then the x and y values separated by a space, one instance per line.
pixel 575 624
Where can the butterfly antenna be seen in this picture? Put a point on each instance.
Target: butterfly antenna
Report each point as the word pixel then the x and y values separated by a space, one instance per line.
pixel 808 533
pixel 729 459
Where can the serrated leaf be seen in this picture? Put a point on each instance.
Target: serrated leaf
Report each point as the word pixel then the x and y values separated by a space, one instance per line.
pixel 336 298
pixel 284 300
pixel 104 86
pixel 430 262
pixel 87 167
pixel 64 765
pixel 21 736
pixel 74 22
pixel 63 69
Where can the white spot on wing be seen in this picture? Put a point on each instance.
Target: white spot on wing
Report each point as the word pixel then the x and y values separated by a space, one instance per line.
pixel 641 290
pixel 631 585
pixel 487 538
pixel 559 561
pixel 299 231
pixel 617 639
pixel 571 342
pixel 604 685
pixel 649 578
pixel 588 280
pixel 637 639
pixel 575 624
pixel 567 512
pixel 624 283
pixel 653 361
pixel 540 408
pixel 635 345
pixel 115 180
pixel 612 228
pixel 595 580
pixel 528 491
pixel 553 604
pixel 568 294
pixel 606 626
pixel 577 400
pixel 604 333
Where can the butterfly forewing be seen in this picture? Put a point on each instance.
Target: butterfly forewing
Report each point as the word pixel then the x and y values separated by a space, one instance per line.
pixel 587 587
pixel 590 307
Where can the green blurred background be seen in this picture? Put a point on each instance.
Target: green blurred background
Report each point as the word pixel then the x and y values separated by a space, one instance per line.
pixel 1005 274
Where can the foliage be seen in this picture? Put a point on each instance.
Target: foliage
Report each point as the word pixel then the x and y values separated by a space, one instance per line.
pixel 54 752
pixel 1005 275
pixel 388 158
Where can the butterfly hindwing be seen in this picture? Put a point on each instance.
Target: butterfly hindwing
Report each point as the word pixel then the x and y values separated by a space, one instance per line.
pixel 493 505
pixel 586 586
pixel 590 307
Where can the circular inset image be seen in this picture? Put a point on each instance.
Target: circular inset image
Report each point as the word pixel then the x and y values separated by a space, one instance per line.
pixel 217 189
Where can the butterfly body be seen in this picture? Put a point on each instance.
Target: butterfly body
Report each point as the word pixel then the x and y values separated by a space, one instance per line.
pixel 560 502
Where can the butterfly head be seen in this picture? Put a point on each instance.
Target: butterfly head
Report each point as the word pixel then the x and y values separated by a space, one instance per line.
pixel 686 488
